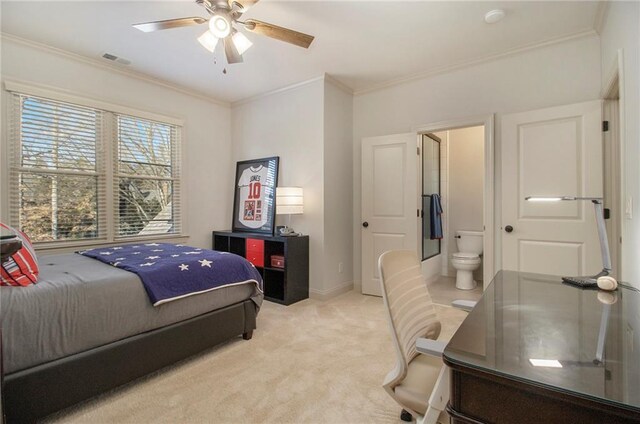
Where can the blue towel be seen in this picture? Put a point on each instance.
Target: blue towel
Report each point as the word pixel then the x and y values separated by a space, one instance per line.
pixel 435 217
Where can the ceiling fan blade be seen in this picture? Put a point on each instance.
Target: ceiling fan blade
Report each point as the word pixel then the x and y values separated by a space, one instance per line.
pixel 279 33
pixel 246 4
pixel 231 51
pixel 169 24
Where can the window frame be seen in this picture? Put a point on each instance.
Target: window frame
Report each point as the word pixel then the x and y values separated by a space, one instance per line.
pixel 117 173
pixel 106 160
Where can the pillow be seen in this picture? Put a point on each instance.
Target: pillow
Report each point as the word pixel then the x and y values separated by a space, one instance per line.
pixel 22 268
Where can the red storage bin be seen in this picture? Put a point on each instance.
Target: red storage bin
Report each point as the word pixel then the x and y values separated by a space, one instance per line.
pixel 254 251
pixel 277 261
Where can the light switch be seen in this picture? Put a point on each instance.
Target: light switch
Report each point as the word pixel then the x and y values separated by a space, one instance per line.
pixel 628 210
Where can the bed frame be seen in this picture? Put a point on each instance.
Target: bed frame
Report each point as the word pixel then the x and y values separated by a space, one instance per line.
pixel 36 392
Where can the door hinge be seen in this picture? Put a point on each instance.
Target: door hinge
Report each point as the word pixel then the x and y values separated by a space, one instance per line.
pixel 418 213
pixel 418 151
pixel 605 126
pixel 607 213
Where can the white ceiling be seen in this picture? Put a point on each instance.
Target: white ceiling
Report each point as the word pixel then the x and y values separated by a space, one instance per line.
pixel 363 44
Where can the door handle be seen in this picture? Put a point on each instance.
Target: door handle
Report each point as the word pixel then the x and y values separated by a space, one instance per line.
pixel 365 224
pixel 508 228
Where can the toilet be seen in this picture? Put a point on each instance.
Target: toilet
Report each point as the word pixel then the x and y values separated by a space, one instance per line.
pixel 468 258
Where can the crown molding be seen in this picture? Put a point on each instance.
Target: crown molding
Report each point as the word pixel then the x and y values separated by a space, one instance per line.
pixel 276 91
pixel 338 84
pixel 324 77
pixel 474 62
pixel 109 67
pixel 601 16
pixel 598 24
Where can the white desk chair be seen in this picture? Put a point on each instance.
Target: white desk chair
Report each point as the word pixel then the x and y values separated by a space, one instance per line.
pixel 420 380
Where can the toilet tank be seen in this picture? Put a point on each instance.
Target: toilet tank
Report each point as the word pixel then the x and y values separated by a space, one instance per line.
pixel 469 241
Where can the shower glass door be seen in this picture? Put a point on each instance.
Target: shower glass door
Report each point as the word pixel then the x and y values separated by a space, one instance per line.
pixel 430 186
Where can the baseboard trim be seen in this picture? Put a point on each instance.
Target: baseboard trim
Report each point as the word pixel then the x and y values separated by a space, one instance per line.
pixel 331 293
pixel 357 286
pixel 432 279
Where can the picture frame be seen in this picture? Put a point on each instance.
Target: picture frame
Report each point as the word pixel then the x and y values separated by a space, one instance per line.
pixel 254 199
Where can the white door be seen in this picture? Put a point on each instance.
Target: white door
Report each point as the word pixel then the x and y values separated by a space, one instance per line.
pixel 389 201
pixel 551 152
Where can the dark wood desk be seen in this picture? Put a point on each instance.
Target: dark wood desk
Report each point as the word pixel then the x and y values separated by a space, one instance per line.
pixel 523 317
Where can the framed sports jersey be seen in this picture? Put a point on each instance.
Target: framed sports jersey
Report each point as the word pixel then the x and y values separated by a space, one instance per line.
pixel 254 202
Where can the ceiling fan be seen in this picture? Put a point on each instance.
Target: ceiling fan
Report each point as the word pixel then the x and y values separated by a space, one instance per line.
pixel 225 14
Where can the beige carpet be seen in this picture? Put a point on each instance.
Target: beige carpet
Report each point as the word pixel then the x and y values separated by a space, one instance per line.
pixel 312 362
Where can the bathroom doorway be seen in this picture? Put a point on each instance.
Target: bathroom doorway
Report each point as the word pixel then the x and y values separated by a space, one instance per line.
pixel 456 198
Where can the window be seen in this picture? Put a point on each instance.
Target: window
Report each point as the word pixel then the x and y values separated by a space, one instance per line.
pixel 60 173
pixel 146 183
pixel 58 178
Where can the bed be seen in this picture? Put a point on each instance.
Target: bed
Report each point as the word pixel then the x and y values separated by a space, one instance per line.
pixel 87 327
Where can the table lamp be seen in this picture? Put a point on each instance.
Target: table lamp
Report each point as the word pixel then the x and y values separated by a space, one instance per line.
pixel 289 201
pixel 602 233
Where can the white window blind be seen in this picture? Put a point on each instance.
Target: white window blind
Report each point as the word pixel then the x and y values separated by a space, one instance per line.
pixel 147 183
pixel 59 173
pixel 58 180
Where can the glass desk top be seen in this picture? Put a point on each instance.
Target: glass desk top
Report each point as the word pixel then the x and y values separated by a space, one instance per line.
pixel 533 328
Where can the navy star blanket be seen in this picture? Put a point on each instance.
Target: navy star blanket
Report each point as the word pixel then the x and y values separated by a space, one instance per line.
pixel 173 271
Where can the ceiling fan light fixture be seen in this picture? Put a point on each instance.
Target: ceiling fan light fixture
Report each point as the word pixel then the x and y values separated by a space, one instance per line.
pixel 241 42
pixel 208 41
pixel 220 25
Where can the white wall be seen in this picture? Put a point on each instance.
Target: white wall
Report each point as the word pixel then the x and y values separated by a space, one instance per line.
pixel 338 190
pixel 290 124
pixel 466 185
pixel 315 152
pixel 207 145
pixel 553 75
pixel 621 31
pixel 310 127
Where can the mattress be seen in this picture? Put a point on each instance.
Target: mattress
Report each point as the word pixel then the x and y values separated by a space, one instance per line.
pixel 80 303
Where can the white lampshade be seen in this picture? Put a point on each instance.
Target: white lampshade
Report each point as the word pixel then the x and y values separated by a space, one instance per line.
pixel 241 42
pixel 289 200
pixel 208 41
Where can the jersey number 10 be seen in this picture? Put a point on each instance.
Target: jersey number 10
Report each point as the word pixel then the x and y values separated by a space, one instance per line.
pixel 254 190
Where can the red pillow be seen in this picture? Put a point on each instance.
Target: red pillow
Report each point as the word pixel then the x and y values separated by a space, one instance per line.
pixel 22 268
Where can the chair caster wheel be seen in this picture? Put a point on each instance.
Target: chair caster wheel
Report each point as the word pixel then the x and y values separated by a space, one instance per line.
pixel 406 416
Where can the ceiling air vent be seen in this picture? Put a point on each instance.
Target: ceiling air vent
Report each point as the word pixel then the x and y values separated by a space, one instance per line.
pixel 114 58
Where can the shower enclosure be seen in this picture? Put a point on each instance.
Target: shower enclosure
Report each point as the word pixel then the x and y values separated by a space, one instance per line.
pixel 430 186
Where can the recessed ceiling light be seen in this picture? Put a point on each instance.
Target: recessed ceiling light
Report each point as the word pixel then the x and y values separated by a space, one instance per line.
pixel 494 16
